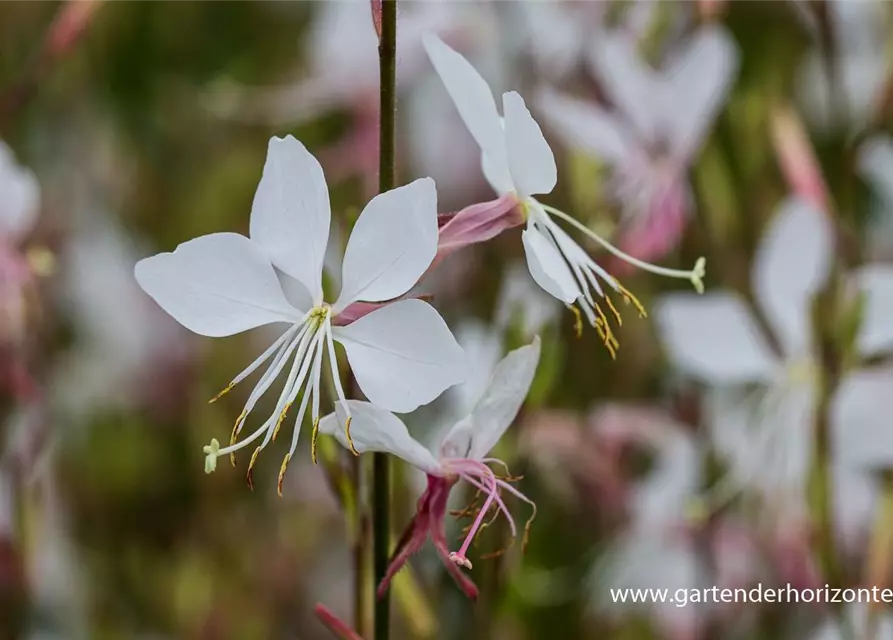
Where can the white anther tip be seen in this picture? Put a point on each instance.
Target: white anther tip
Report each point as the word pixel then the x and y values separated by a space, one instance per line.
pixel 462 561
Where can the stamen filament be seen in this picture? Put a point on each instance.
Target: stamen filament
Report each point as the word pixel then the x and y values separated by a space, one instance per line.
pixel 251 368
pixel 336 378
pixel 695 276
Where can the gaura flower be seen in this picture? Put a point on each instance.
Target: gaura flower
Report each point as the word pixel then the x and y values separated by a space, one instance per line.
pixel 402 354
pixel 463 455
pixel 767 437
pixel 655 131
pixel 518 163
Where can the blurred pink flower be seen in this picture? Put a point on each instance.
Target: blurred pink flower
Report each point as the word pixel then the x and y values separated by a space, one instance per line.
pixel 462 456
pixel 654 132
pixel 767 436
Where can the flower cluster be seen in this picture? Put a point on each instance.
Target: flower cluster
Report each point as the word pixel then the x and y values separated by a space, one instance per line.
pixel 399 350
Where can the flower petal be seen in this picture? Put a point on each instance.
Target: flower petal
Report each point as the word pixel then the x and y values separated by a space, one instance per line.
pixel 290 215
pixel 586 126
pixel 403 355
pixel 475 103
pixel 531 161
pixel 863 435
pixel 629 82
pixel 476 434
pixel 792 263
pixel 374 429
pixel 876 331
pixel 548 268
pixel 697 85
pixel 392 244
pixel 216 285
pixel 713 338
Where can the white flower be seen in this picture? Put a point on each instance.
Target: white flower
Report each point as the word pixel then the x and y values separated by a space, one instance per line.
pixel 402 354
pixel 768 438
pixel 860 30
pixel 463 454
pixel 517 161
pixel 656 130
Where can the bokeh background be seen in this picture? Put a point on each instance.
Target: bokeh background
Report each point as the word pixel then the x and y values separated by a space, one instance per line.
pixel 134 126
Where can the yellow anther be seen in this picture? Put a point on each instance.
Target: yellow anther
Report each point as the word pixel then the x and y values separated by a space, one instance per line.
pixel 279 421
pixel 630 298
pixel 353 449
pixel 222 393
pixel 282 473
pixel 614 311
pixel 313 437
pixel 526 537
pixel 234 435
pixel 578 320
pixel 250 475
pixel 607 336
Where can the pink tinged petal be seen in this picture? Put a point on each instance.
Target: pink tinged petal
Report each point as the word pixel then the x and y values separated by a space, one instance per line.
pixel 497 408
pixel 392 244
pixel 478 223
pixel 438 509
pixel 629 82
pixel 797 158
pixel 791 265
pixel 548 268
pixel 697 85
pixel 355 311
pixel 862 431
pixel 19 197
pixel 216 285
pixel 475 104
pixel 402 355
pixel 290 215
pixel 659 229
pixel 333 623
pixel 531 161
pixel 714 338
pixel 376 16
pixel 876 330
pixel 586 126
pixel 374 429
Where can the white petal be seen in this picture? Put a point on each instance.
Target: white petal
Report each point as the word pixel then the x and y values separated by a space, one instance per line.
pixel 216 285
pixel 548 268
pixel 697 85
pixel 290 215
pixel 403 355
pixel 19 196
pixel 392 244
pixel 713 338
pixel 374 429
pixel 475 103
pixel 862 431
pixel 531 161
pixel 791 265
pixel 876 330
pixel 629 82
pixel 475 435
pixel 586 126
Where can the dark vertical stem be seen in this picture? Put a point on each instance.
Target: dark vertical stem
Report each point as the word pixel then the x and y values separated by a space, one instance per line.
pixel 381 481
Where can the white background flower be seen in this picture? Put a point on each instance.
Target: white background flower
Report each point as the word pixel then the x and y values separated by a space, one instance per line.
pixel 715 339
pixel 402 355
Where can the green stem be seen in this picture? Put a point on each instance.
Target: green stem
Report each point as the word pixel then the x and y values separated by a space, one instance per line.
pixel 381 491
